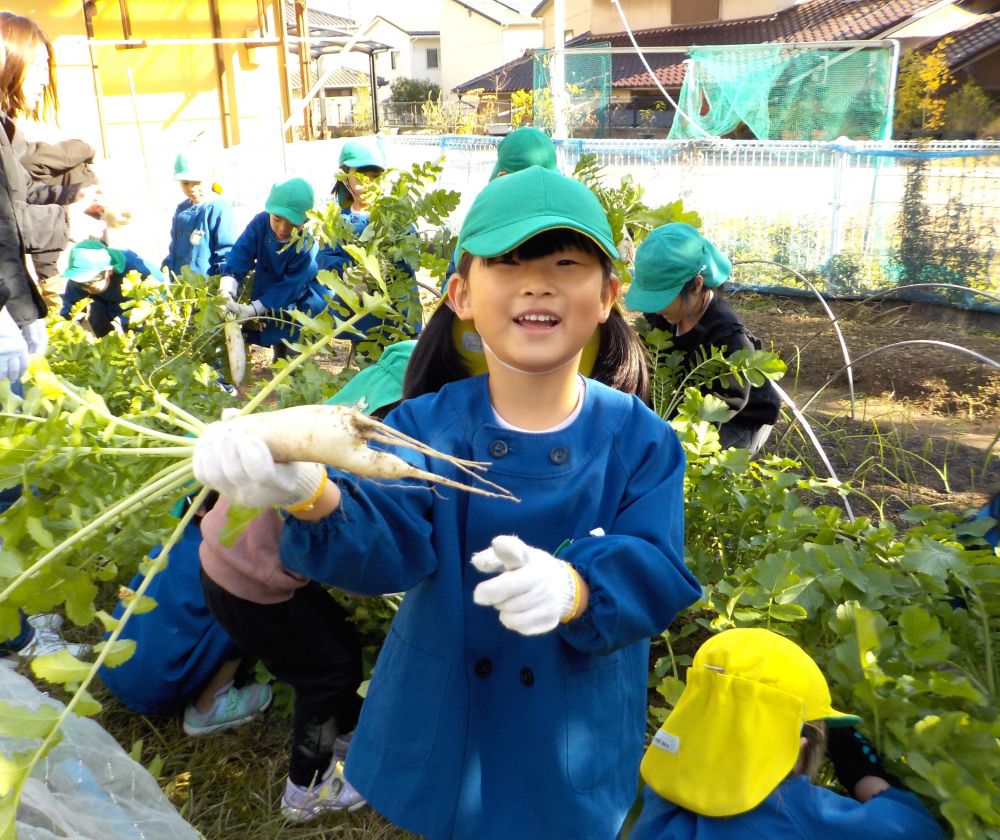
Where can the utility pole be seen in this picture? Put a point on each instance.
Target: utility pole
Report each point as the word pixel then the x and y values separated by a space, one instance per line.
pixel 557 76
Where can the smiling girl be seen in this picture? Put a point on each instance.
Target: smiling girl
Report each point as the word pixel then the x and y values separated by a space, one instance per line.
pixel 509 699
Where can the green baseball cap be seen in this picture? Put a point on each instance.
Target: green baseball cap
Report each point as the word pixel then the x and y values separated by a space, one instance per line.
pixel 189 166
pixel 291 199
pixel 666 260
pixel 90 258
pixel 512 209
pixel 359 154
pixel 524 147
pixel 379 384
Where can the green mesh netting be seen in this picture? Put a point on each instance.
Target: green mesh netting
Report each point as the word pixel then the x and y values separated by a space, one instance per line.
pixel 785 93
pixel 588 91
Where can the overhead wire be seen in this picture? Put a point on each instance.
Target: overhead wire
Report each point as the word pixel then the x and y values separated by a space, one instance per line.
pixel 656 81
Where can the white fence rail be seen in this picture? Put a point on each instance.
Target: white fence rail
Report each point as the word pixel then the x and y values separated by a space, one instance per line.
pixel 833 209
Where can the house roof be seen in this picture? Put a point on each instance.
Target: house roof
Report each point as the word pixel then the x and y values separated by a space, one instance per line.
pixel 335 29
pixel 502 14
pixel 807 21
pixel 319 20
pixel 970 43
pixel 343 77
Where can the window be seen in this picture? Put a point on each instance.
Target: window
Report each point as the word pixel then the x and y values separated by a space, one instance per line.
pixel 432 58
pixel 393 58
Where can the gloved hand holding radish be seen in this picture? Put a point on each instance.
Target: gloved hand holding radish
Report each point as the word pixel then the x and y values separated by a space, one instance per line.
pixel 275 459
pixel 533 591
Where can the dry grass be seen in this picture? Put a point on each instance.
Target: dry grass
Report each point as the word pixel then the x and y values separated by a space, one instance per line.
pixel 229 785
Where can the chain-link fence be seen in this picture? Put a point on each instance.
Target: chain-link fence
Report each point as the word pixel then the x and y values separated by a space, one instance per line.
pixel 852 217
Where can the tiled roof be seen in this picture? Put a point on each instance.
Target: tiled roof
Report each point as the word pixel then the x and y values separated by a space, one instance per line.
pixel 320 20
pixel 969 43
pixel 808 21
pixel 343 77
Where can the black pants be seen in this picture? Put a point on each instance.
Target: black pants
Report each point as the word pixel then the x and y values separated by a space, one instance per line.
pixel 308 643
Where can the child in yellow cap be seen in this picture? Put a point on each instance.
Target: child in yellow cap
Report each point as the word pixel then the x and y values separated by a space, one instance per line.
pixel 736 757
pixel 509 699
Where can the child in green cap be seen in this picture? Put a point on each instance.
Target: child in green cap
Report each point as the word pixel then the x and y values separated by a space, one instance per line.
pixel 509 699
pixel 282 274
pixel 674 280
pixel 96 272
pixel 738 755
pixel 361 159
pixel 202 231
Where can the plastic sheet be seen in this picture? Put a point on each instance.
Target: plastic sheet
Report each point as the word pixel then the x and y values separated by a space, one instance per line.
pixel 87 788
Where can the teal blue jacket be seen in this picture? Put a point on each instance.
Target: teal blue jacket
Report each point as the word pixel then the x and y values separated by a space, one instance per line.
pixel 795 810
pixel 470 730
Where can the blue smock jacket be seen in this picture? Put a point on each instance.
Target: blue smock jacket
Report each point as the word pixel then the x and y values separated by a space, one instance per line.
pixel 201 237
pixel 106 306
pixel 795 810
pixel 281 277
pixel 470 730
pixel 179 645
pixel 335 258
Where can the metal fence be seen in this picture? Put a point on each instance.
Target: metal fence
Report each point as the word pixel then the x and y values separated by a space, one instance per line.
pixel 853 217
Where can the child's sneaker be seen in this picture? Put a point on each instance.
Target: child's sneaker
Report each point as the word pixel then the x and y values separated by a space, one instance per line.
pixel 335 793
pixel 47 639
pixel 341 746
pixel 232 706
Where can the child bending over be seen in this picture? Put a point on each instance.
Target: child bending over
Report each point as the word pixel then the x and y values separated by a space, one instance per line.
pixel 282 272
pixel 737 755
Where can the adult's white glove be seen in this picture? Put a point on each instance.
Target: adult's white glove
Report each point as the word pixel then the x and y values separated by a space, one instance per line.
pixel 240 466
pixel 534 590
pixel 242 311
pixel 36 336
pixel 13 348
pixel 83 226
pixel 228 286
pixel 626 249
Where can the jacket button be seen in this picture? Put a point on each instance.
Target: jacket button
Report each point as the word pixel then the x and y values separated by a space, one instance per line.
pixel 498 449
pixel 559 455
pixel 483 668
pixel 527 677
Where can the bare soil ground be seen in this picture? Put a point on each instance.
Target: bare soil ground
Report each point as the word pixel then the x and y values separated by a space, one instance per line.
pixel 925 422
pixel 925 417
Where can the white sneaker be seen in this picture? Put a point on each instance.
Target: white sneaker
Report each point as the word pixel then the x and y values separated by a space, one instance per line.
pixel 335 793
pixel 46 622
pixel 49 641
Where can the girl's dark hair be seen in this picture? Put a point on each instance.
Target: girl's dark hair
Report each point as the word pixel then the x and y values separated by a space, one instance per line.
pixel 622 361
pixel 814 753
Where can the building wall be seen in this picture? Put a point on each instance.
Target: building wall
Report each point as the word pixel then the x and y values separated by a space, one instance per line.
pixel 577 20
pixel 168 94
pixel 470 45
pixel 736 9
pixel 419 68
pixel 517 39
pixel 641 14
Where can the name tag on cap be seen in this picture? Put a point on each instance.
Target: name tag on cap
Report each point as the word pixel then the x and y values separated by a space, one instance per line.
pixel 666 741
pixel 472 342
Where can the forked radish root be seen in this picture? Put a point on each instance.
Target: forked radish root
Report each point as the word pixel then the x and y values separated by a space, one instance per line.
pixel 337 436
pixel 236 350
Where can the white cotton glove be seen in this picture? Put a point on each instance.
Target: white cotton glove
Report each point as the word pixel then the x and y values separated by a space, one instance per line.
pixel 240 466
pixel 242 311
pixel 534 590
pixel 36 336
pixel 228 286
pixel 626 249
pixel 13 348
pixel 82 226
